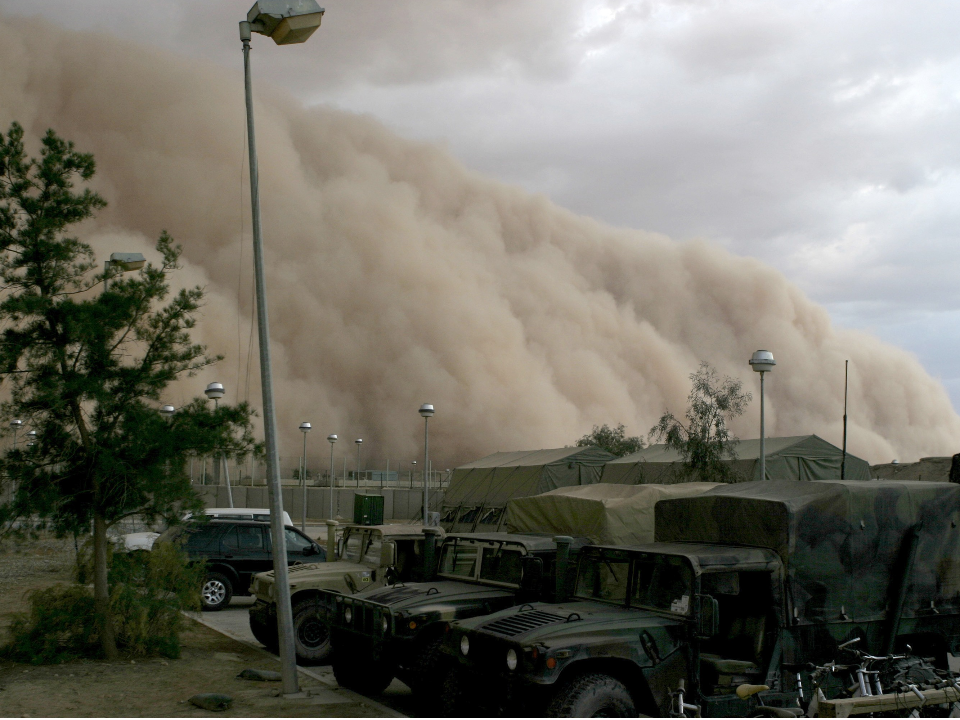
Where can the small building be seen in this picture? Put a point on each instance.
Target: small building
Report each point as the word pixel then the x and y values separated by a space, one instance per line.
pixel 478 493
pixel 803 457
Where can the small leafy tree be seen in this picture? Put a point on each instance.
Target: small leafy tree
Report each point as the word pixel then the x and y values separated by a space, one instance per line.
pixel 705 440
pixel 613 440
pixel 86 369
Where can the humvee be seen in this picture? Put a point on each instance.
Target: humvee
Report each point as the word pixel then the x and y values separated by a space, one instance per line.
pixel 368 556
pixel 396 631
pixel 746 584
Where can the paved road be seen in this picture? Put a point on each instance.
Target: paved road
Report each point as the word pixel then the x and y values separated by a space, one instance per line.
pixel 233 621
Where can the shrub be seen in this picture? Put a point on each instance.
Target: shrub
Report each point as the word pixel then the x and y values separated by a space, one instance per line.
pixel 148 592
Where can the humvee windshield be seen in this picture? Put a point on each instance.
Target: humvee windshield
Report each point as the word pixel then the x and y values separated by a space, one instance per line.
pixel 362 546
pixel 496 562
pixel 603 575
pixel 662 582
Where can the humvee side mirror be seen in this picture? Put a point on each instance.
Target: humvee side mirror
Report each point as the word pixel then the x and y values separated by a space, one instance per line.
pixel 531 573
pixel 708 616
pixel 388 554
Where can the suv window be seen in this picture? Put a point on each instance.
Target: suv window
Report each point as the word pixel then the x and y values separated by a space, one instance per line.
pixel 243 537
pixel 201 537
pixel 296 543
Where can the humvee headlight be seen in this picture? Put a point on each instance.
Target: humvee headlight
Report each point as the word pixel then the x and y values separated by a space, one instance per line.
pixel 348 614
pixel 384 623
pixel 511 659
pixel 464 645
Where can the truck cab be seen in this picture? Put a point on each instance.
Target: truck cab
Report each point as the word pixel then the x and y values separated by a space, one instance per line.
pixel 368 556
pixel 396 631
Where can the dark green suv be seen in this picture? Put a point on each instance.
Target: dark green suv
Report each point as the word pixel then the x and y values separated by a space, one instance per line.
pixel 396 631
pixel 748 585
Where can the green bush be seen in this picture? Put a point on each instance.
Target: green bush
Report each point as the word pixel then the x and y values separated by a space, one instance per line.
pixel 148 592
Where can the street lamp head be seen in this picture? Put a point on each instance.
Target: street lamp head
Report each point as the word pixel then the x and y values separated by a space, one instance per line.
pixel 16 424
pixel 167 411
pixel 762 361
pixel 359 441
pixel 413 462
pixel 32 435
pixel 286 21
pixel 214 391
pixel 426 410
pixel 127 261
pixel 305 427
pixel 332 439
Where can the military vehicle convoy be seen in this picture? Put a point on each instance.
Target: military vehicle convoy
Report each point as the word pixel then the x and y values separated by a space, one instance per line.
pixel 397 631
pixel 369 556
pixel 744 586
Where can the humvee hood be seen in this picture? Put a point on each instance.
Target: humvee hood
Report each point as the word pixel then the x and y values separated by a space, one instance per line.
pixel 441 592
pixel 556 624
pixel 316 571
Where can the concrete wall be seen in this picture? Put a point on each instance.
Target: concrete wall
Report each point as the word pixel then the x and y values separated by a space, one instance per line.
pixel 398 503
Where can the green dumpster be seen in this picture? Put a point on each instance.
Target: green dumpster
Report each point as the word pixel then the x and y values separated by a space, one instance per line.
pixel 368 509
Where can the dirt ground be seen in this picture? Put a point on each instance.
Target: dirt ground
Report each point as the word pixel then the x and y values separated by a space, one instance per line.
pixel 143 687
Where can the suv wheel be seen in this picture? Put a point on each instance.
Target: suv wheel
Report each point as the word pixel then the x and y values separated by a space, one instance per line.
pixel 311 633
pixel 216 591
pixel 593 696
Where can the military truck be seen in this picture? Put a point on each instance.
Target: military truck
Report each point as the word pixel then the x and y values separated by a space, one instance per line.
pixel 744 585
pixel 367 556
pixel 396 631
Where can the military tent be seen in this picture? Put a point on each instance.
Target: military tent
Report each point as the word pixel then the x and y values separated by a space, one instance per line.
pixel 479 491
pixel 804 457
pixel 607 514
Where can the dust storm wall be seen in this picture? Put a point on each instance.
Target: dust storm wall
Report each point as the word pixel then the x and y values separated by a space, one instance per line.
pixel 396 276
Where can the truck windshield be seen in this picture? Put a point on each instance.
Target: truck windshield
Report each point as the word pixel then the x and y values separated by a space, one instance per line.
pixel 353 547
pixel 663 582
pixel 459 559
pixel 603 576
pixel 501 565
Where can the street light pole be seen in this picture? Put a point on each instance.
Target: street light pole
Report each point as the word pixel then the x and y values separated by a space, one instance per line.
pixel 214 392
pixel 304 428
pixel 762 362
pixel 359 442
pixel 287 22
pixel 331 439
pixel 426 412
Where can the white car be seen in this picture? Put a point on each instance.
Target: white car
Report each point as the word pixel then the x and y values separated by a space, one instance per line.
pixel 144 540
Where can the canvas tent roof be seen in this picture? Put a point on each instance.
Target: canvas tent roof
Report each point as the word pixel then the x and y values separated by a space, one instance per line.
pixel 802 457
pixel 607 514
pixel 840 541
pixel 495 479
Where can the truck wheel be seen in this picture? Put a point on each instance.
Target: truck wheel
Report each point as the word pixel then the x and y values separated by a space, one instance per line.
pixel 452 702
pixel 311 633
pixel 264 634
pixel 216 591
pixel 368 677
pixel 593 696
pixel 423 666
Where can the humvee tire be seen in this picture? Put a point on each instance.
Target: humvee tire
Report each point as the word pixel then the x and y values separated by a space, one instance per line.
pixel 264 634
pixel 593 696
pixel 311 633
pixel 216 591
pixel 363 675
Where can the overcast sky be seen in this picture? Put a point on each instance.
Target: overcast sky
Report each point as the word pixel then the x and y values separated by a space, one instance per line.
pixel 820 137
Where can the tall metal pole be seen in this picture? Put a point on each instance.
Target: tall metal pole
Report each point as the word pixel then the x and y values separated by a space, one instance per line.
pixel 843 460
pixel 426 465
pixel 763 450
pixel 332 439
pixel 288 658
pixel 303 477
pixel 358 441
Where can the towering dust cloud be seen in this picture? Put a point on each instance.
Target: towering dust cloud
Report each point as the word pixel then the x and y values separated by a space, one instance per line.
pixel 398 277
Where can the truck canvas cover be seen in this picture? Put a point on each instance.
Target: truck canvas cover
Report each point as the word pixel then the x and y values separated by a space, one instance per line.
pixel 607 514
pixel 842 543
